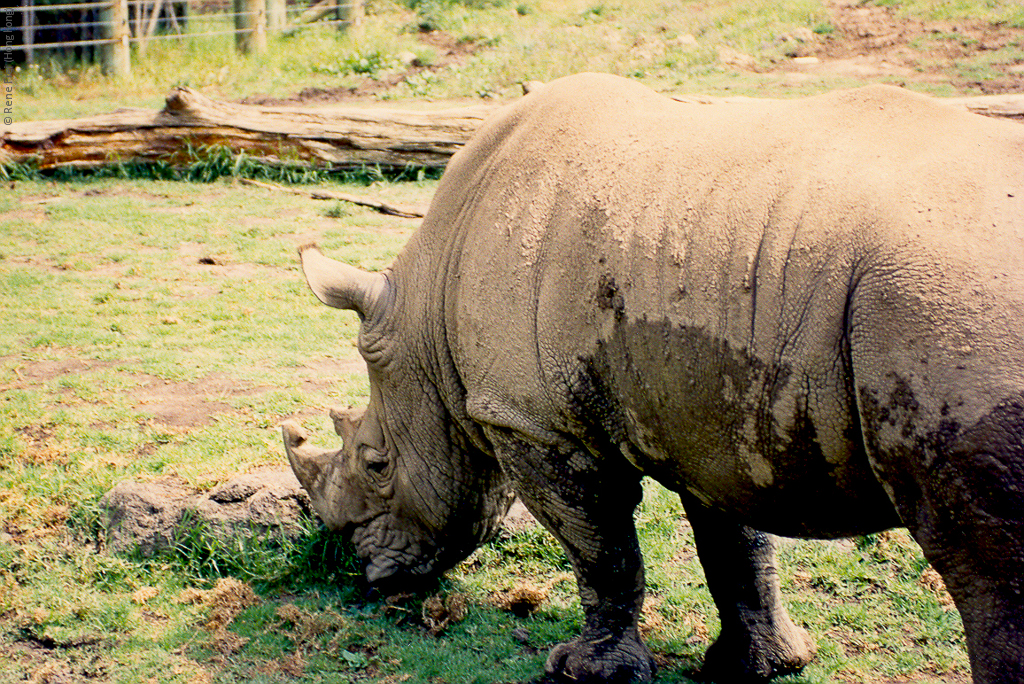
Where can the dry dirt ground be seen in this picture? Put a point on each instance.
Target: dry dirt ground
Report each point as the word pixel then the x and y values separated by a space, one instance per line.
pixel 451 52
pixel 177 405
pixel 867 42
pixel 876 41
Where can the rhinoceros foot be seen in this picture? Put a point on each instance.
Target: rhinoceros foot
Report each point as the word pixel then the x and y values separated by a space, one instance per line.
pixel 603 660
pixel 750 655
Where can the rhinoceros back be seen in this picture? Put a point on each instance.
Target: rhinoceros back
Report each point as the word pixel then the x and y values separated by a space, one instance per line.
pixel 679 282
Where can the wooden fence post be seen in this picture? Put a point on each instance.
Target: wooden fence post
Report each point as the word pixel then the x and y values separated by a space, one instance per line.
pixel 350 12
pixel 277 15
pixel 114 24
pixel 250 26
pixel 28 30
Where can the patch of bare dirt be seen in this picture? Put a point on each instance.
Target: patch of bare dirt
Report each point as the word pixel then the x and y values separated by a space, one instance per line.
pixel 173 404
pixel 450 52
pixel 43 199
pixel 180 406
pixel 193 256
pixel 187 404
pixel 872 41
pixel 43 447
pixel 323 373
pixel 38 372
pixel 226 600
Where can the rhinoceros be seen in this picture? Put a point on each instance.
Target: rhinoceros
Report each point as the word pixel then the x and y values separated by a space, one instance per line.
pixel 805 317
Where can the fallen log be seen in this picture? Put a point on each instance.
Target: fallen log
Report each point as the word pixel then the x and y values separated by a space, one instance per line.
pixel 337 137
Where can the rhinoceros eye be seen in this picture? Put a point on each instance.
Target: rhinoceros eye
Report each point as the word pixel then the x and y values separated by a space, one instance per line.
pixel 376 461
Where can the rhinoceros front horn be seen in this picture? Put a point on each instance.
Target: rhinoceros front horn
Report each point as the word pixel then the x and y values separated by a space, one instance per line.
pixel 307 462
pixel 340 285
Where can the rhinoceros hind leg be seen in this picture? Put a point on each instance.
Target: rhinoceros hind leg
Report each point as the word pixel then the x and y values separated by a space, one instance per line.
pixel 758 640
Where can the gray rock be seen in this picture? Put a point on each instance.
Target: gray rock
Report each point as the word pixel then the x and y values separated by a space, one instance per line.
pixel 267 501
pixel 149 516
pixel 144 515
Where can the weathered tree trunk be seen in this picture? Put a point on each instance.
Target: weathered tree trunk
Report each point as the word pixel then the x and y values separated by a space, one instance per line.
pixel 335 136
pixel 341 137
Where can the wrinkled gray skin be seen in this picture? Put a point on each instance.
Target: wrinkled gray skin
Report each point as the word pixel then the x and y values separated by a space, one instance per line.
pixel 805 317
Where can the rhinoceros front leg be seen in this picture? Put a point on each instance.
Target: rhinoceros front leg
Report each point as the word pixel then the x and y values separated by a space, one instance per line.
pixel 758 639
pixel 587 503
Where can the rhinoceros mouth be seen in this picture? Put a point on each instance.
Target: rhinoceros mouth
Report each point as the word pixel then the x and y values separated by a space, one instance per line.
pixel 392 556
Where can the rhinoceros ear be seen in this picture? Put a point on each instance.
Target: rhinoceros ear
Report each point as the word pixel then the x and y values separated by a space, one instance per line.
pixel 340 285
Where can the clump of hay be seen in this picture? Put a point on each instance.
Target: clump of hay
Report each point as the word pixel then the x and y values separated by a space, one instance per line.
pixel 307 626
pixel 652 620
pixel 227 599
pixel 932 581
pixel 440 612
pixel 141 596
pixel 292 665
pixel 521 600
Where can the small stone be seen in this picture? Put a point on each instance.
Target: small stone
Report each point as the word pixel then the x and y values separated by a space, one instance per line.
pixel 803 34
pixel 521 634
pixel 687 40
pixel 731 57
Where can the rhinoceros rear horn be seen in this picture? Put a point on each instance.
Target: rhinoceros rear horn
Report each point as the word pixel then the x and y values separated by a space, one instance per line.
pixel 340 285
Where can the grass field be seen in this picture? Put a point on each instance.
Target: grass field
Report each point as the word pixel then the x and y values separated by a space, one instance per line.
pixel 103 294
pixel 151 328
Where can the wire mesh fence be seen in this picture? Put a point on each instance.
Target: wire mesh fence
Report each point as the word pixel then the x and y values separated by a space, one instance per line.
pixel 37 30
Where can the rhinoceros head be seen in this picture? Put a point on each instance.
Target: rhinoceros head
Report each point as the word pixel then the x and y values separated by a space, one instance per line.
pixel 408 485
